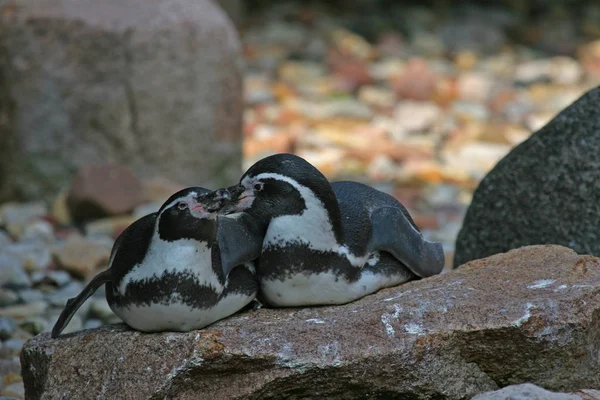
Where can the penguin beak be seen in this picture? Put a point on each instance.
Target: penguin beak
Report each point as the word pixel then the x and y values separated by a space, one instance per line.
pixel 235 191
pixel 197 204
pixel 232 203
pixel 223 194
pixel 211 202
pixel 197 207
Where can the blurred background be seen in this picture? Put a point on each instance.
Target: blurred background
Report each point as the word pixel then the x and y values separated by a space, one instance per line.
pixel 107 108
pixel 419 99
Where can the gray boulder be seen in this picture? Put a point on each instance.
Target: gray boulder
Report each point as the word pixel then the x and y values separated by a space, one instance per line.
pixel 155 85
pixel 546 190
pixel 493 323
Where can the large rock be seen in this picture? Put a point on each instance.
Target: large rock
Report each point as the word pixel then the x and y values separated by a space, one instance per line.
pixel 546 190
pixel 531 315
pixel 154 85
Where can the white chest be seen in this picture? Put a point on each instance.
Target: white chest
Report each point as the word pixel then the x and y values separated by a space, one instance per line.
pixel 309 229
pixel 326 288
pixel 180 317
pixel 314 232
pixel 181 256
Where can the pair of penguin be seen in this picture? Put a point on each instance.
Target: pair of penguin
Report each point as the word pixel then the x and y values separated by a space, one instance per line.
pixel 284 230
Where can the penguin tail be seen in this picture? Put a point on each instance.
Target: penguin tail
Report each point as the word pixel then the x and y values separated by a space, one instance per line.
pixel 394 232
pixel 432 258
pixel 75 303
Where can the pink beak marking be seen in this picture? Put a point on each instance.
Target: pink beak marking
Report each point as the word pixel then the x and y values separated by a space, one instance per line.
pixel 197 207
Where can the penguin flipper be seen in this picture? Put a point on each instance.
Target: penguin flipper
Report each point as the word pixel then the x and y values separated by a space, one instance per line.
pixel 74 303
pixel 395 234
pixel 239 240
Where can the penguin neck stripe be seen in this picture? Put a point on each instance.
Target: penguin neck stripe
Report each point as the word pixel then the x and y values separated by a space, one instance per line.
pixel 300 188
pixel 313 227
pixel 177 200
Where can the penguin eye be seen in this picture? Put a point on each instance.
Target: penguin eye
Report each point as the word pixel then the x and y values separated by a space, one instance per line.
pixel 259 186
pixel 182 205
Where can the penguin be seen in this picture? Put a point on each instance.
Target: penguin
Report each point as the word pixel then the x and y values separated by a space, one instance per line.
pixel 177 269
pixel 327 243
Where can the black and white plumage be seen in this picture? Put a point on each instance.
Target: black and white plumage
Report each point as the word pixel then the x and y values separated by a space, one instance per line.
pixel 328 243
pixel 168 271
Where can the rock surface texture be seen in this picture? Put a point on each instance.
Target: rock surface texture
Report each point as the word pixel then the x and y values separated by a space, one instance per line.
pixel 156 86
pixel 530 315
pixel 546 190
pixel 527 391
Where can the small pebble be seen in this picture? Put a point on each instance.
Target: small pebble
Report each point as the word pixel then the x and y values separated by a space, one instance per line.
pixel 12 273
pixel 60 210
pixel 30 295
pixel 10 378
pixel 39 230
pixel 12 347
pixel 19 333
pixel 24 310
pixel 7 326
pixel 475 86
pixel 101 310
pixel 81 256
pixel 9 367
pixel 416 116
pixel 530 72
pixel 5 240
pixel 8 297
pixel 15 389
pixel 55 278
pixel 60 297
pixel 92 323
pixel 471 110
pixel 377 97
pixel 35 325
pixel 33 255
pixel 15 217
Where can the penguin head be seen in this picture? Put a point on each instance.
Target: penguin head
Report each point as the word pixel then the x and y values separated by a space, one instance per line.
pixel 190 214
pixel 281 184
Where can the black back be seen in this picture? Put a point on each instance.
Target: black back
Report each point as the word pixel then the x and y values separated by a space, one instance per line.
pixel 131 246
pixel 356 201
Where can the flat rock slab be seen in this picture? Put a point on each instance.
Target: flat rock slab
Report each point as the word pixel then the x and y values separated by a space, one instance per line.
pixel 530 315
